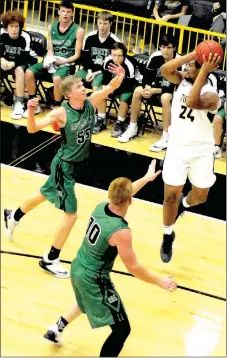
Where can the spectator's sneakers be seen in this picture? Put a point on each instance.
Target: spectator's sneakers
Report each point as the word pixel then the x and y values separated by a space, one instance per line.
pixel 37 111
pixel 53 335
pixel 130 133
pixel 54 267
pixel 18 111
pixel 159 146
pixel 217 152
pixel 118 129
pixel 99 125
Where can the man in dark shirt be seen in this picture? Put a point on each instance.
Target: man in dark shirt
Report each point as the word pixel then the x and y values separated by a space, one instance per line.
pixel 170 10
pixel 154 84
pixel 124 92
pixel 97 46
pixel 15 55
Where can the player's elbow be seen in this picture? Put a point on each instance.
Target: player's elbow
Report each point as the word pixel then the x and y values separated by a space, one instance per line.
pixel 164 70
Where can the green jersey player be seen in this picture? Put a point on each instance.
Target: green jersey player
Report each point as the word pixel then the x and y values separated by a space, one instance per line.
pixel 76 121
pixel 107 235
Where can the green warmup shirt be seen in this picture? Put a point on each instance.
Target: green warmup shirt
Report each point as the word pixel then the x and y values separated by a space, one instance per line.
pixel 95 252
pixel 64 43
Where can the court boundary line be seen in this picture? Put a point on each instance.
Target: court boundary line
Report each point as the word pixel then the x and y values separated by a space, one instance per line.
pixel 121 273
pixel 103 190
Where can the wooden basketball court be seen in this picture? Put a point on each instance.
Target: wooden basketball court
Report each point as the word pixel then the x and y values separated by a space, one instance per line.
pixel 188 322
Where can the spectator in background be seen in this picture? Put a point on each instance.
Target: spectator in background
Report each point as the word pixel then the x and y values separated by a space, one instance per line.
pixel 65 41
pixel 218 122
pixel 154 84
pixel 124 92
pixel 97 46
pixel 15 55
pixel 170 10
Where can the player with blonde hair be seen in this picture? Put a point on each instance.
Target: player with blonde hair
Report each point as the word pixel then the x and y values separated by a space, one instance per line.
pixel 107 235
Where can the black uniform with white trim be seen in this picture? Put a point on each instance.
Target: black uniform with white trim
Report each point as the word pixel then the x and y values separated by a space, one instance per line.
pixel 95 51
pixel 16 50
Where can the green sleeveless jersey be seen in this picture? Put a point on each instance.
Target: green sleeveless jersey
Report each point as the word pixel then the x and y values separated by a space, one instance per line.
pixel 76 135
pixel 95 252
pixel 64 43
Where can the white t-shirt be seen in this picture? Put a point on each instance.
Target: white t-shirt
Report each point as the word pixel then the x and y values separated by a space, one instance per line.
pixel 190 126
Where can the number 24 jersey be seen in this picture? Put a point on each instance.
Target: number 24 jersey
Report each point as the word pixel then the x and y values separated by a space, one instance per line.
pixel 190 126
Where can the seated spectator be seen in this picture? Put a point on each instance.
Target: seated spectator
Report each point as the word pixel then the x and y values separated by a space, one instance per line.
pixel 219 17
pixel 15 55
pixel 154 84
pixel 97 46
pixel 170 10
pixel 124 92
pixel 65 41
pixel 218 122
pixel 202 15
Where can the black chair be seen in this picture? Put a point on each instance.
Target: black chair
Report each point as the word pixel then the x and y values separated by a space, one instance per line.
pixel 148 117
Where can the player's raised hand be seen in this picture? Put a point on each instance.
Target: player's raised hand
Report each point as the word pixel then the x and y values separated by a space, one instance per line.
pixel 212 63
pixel 33 103
pixel 116 70
pixel 151 174
pixel 168 284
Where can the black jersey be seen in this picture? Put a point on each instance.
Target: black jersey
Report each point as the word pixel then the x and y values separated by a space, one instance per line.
pixel 17 50
pixel 96 51
pixel 152 75
pixel 129 80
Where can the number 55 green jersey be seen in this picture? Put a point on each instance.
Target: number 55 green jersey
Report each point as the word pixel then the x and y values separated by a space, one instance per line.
pixel 64 42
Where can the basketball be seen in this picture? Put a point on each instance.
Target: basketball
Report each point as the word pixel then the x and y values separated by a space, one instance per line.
pixel 205 48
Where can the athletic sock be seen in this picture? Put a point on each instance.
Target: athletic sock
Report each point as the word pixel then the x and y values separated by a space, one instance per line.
pixel 53 254
pixel 62 323
pixel 18 214
pixel 19 99
pixel 31 96
pixel 185 204
pixel 168 229
pixel 120 119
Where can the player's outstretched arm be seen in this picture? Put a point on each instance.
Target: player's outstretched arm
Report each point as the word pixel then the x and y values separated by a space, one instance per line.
pixel 123 240
pixel 169 69
pixel 208 100
pixel 115 83
pixel 33 125
pixel 149 176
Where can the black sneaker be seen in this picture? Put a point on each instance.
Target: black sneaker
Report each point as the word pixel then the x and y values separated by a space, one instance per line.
pixel 118 129
pixel 166 251
pixel 181 207
pixel 53 335
pixel 99 126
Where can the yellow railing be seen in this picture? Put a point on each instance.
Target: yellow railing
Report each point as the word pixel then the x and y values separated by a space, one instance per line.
pixel 143 32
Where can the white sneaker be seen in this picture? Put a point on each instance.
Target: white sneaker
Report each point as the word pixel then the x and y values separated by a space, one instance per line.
pixel 54 267
pixel 10 223
pixel 217 152
pixel 54 335
pixel 37 111
pixel 17 111
pixel 159 146
pixel 129 134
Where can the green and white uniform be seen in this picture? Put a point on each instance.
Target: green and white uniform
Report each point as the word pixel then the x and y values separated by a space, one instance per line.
pixel 70 159
pixel 63 46
pixel 90 270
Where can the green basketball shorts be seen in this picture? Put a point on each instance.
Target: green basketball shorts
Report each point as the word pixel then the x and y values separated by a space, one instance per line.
pixel 96 296
pixel 62 72
pixel 59 187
